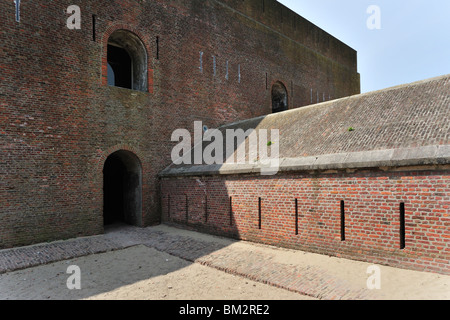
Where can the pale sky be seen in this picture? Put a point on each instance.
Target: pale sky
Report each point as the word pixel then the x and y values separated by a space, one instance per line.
pixel 413 43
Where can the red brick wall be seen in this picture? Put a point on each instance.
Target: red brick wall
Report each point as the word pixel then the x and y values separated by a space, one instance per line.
pixel 60 120
pixel 372 213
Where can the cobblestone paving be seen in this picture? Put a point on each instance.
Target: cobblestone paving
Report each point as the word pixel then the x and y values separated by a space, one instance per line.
pixel 311 280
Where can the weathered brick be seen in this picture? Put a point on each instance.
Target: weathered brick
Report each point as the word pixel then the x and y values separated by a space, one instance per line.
pixel 60 120
pixel 427 240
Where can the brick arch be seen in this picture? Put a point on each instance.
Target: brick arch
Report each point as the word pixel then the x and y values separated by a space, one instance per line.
pixel 103 155
pixel 104 57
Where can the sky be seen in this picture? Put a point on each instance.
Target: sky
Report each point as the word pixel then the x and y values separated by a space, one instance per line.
pixel 408 40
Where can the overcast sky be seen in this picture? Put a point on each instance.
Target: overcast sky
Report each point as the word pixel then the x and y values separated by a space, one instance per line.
pixel 413 43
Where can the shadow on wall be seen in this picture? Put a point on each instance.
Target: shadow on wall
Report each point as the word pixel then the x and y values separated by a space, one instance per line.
pixel 363 216
pixel 205 203
pixel 343 204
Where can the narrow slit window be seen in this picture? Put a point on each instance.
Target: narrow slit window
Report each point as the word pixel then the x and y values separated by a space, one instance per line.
pixel 231 211
pixel 296 216
pixel 259 214
pixel 157 48
pixel 342 220
pixel 201 62
pixel 402 226
pixel 94 20
pixel 187 208
pixel 206 209
pixel 168 206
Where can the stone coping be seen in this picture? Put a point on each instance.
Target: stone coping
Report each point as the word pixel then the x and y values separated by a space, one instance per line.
pixel 392 158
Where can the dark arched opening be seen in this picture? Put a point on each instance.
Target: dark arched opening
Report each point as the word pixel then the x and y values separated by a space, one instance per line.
pixel 279 98
pixel 127 61
pixel 122 189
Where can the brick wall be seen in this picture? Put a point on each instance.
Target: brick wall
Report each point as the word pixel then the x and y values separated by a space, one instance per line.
pixel 60 120
pixel 371 209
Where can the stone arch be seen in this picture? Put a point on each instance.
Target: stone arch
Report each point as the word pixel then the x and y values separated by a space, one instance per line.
pixel 122 189
pixel 127 61
pixel 279 97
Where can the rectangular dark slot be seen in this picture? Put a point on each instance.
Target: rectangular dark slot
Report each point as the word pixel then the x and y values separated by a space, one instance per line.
pixel 267 84
pixel 292 88
pixel 263 6
pixel 94 20
pixel 231 211
pixel 342 220
pixel 402 226
pixel 157 48
pixel 259 214
pixel 296 216
pixel 168 205
pixel 206 209
pixel 187 209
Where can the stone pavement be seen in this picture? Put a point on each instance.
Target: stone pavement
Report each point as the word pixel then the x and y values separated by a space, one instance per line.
pixel 305 273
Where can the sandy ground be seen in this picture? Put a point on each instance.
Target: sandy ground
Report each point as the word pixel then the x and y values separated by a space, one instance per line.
pixel 135 273
pixel 144 273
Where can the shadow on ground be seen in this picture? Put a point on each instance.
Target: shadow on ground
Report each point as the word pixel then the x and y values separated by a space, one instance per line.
pixel 123 256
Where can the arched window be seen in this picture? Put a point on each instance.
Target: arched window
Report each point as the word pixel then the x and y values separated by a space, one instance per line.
pixel 127 61
pixel 279 98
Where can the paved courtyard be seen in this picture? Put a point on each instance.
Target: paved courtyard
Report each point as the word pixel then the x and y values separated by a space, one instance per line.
pixel 167 263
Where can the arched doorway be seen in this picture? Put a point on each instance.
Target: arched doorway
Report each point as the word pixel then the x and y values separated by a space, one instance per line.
pixel 279 98
pixel 122 189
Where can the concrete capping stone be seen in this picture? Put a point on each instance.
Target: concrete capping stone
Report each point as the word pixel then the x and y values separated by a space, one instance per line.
pixel 443 152
pixel 238 168
pixel 427 155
